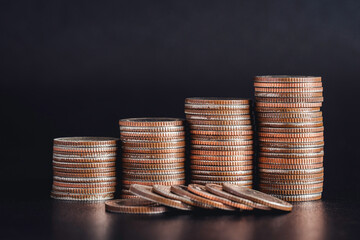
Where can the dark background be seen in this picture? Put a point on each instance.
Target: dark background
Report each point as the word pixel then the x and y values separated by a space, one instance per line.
pixel 71 68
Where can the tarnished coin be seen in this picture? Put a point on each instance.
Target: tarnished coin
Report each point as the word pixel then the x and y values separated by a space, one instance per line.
pixel 218 190
pixel 133 206
pixel 291 140
pixel 166 192
pixel 184 192
pixel 154 171
pixel 292 145
pixel 258 197
pixel 208 117
pixel 292 155
pixel 201 191
pixel 203 182
pixel 311 124
pixel 289 120
pixel 289 95
pixel 288 186
pixel 84 154
pixel 146 193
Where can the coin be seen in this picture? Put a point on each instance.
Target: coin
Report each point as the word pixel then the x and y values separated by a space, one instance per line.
pixel 84 185
pixel 222 158
pixel 216 168
pixel 153 166
pixel 85 175
pixel 86 141
pixel 201 191
pixel 290 120
pixel 154 155
pixel 291 186
pixel 184 192
pixel 216 107
pixel 152 129
pixel 222 148
pixel 292 172
pixel 148 177
pixel 153 150
pixel 288 84
pixel 221 133
pixel 291 192
pixel 289 176
pixel 222 142
pixel 83 190
pixel 290 99
pixel 220 122
pixel 221 163
pixel 245 175
pixel 146 193
pixel 286 110
pixel 151 183
pixel 238 179
pixel 291 150
pixel 84 160
pixel 81 197
pixel 84 165
pixel 290 160
pixel 289 115
pixel 220 128
pixel 286 78
pixel 258 197
pixel 142 122
pixel 288 90
pixel 166 192
pixel 84 180
pixel 216 100
pixel 153 161
pixel 222 153
pixel 133 206
pixel 299 198
pixel 153 145
pixel 289 95
pixel 290 130
pixel 61 149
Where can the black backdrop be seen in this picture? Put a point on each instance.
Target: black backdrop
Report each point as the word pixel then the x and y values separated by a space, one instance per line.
pixel 71 68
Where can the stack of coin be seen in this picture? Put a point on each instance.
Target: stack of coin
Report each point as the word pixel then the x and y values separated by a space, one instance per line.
pixel 221 140
pixel 153 152
pixel 84 168
pixel 291 136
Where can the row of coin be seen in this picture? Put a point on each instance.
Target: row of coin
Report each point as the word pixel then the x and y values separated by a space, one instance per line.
pixel 228 197
pixel 84 168
pixel 221 140
pixel 291 136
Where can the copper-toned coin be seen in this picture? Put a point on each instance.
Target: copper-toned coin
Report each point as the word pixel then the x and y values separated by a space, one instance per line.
pixel 132 196
pixel 217 100
pixel 153 172
pixel 290 160
pixel 245 175
pixel 288 84
pixel 287 186
pixel 288 176
pixel 290 120
pixel 220 128
pixel 84 160
pixel 216 168
pixel 220 122
pixel 152 129
pixel 83 165
pixel 300 198
pixel 286 110
pixel 61 149
pixel 84 180
pixel 289 95
pixel 221 163
pixel 153 161
pixel 288 90
pixel 290 125
pixel 222 148
pixel 208 117
pixel 222 153
pixel 166 192
pixel 290 130
pixel 222 158
pixel 153 155
pixel 152 134
pixel 291 140
pixel 143 177
pixel 184 192
pixel 244 113
pixel 85 175
pixel 153 150
pixel 239 179
pixel 291 135
pixel 86 142
pixel 221 138
pixel 151 183
pixel 216 107
pixel 287 79
pixel 204 182
pixel 201 191
pixel 222 142
pixel 290 115
pixel 218 190
pixel 83 190
pixel 291 192
pixel 132 206
pixel 257 196
pixel 146 193
pixel 292 172
pixel 81 197
pixel 84 170
pixel 226 133
pixel 291 150
pixel 153 166
pixel 84 155
pixel 292 145
pixel 153 145
pixel 84 185
pixel 270 181
pixel 289 105
pixel 151 122
pixel 291 155
pixel 289 100
pixel 152 138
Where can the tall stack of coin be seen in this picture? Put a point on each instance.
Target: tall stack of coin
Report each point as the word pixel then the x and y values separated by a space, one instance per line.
pixel 153 152
pixel 221 140
pixel 84 168
pixel 291 136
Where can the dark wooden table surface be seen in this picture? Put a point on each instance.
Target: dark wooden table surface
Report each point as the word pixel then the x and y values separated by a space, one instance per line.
pixel 39 217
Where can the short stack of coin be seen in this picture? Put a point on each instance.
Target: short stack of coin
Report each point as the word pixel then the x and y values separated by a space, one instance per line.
pixel 153 152
pixel 84 168
pixel 221 140
pixel 291 136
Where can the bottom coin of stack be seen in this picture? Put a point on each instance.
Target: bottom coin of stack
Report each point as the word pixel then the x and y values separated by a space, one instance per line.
pixel 84 168
pixel 229 197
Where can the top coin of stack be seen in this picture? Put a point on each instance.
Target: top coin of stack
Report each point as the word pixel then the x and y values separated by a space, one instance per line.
pixel 153 152
pixel 291 136
pixel 84 168
pixel 221 140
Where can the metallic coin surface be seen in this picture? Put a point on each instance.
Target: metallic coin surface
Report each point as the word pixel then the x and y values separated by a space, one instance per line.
pixel 151 122
pixel 133 206
pixel 86 141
